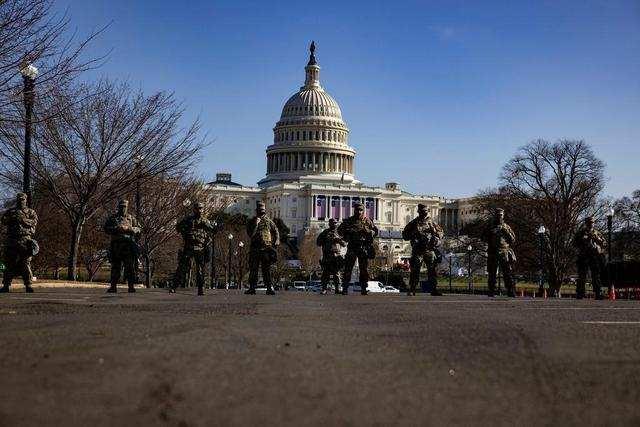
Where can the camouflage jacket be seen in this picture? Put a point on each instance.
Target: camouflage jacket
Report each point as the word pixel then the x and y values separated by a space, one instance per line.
pixel 263 232
pixel 588 242
pixel 424 234
pixel 331 242
pixel 196 232
pixel 122 227
pixel 20 223
pixel 499 238
pixel 358 232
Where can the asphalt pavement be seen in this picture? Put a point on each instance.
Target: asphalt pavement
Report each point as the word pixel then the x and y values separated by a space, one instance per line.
pixel 81 357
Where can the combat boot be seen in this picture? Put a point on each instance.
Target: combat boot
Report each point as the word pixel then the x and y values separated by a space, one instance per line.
pixel 28 289
pixel 250 291
pixel 172 290
pixel 323 292
pixel 4 289
pixel 270 291
pixel 436 293
pixel 411 290
pixel 337 290
pixel 363 289
pixel 345 290
pixel 131 289
pixel 112 289
pixel 511 293
pixel 200 290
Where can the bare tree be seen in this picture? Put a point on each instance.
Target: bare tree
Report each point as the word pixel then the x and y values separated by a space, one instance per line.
pixel 164 201
pixel 309 253
pixel 550 184
pixel 84 150
pixel 93 246
pixel 626 241
pixel 31 32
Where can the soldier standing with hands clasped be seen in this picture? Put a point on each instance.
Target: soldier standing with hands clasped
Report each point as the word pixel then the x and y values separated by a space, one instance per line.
pixel 500 237
pixel 265 238
pixel 19 246
pixel 196 232
pixel 124 230
pixel 424 235
pixel 589 243
pixel 359 232
pixel 332 259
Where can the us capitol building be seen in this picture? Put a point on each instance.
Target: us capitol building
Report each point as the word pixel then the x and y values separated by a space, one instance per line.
pixel 310 175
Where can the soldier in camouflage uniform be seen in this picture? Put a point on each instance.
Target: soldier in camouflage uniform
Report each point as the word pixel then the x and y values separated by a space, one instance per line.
pixel 197 232
pixel 500 237
pixel 424 235
pixel 19 246
pixel 589 243
pixel 359 232
pixel 332 259
pixel 124 230
pixel 264 239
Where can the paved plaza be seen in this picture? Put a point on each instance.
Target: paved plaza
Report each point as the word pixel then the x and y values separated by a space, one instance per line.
pixel 73 356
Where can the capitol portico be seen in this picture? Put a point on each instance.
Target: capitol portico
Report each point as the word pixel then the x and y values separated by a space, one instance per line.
pixel 310 173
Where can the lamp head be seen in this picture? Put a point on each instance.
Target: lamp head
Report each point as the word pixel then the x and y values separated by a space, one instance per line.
pixel 29 70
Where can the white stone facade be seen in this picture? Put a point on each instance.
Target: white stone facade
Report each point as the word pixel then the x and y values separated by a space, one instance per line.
pixel 310 174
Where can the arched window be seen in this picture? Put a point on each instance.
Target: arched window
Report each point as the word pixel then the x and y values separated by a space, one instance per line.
pixel 317 136
pixel 304 135
pixel 324 135
pixel 298 136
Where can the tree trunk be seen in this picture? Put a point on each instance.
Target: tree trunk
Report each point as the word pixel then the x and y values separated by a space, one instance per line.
pixel 74 244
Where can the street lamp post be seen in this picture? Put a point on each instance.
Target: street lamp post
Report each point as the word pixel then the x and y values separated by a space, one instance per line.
pixel 240 272
pixel 542 230
pixel 29 73
pixel 469 249
pixel 610 215
pixel 230 237
pixel 212 259
pixel 450 271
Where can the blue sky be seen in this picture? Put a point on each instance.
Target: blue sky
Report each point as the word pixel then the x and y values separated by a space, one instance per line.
pixel 438 94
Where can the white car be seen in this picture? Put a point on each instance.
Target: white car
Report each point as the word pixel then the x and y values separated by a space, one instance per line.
pixel 374 287
pixel 298 285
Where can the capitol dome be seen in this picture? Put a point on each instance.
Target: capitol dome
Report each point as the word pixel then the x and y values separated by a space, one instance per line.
pixel 310 139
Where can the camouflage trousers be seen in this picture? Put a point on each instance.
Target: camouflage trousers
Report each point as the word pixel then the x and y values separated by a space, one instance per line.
pixel 430 260
pixel 503 261
pixel 123 254
pixel 331 270
pixel 593 265
pixel 18 263
pixel 187 257
pixel 260 258
pixel 363 265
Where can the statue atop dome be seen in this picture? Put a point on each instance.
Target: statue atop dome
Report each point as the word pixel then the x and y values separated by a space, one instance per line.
pixel 312 56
